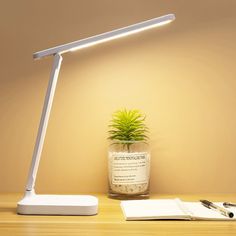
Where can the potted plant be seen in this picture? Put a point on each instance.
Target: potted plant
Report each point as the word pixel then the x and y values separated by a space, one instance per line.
pixel 128 157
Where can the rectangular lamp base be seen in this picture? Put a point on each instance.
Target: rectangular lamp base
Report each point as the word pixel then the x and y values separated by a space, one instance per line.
pixel 36 204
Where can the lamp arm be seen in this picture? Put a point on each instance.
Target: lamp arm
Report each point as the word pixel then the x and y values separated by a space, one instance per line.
pixel 44 122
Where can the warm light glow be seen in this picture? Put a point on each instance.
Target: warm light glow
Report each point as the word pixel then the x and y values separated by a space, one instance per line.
pixel 120 35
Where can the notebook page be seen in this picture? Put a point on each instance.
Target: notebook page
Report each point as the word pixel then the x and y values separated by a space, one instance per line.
pixel 152 209
pixel 199 212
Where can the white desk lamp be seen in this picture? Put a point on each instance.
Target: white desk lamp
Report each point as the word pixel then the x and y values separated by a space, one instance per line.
pixel 34 204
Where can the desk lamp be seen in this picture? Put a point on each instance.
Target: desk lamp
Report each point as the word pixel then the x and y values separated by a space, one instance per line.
pixel 36 204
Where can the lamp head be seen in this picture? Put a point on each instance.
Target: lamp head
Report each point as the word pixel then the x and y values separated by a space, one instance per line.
pixel 115 34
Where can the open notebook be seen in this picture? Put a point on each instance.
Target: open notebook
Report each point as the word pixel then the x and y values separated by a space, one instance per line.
pixel 163 209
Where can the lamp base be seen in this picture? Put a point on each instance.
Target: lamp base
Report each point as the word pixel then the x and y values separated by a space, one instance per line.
pixel 36 204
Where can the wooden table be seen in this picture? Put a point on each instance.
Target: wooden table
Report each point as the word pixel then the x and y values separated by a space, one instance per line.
pixel 109 221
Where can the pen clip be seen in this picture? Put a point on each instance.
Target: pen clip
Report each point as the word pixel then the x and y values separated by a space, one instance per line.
pixel 229 204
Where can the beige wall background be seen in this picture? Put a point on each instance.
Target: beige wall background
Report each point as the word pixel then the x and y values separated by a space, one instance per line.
pixel 182 76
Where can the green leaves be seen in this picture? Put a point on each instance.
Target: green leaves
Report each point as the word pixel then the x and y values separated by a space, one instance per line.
pixel 128 125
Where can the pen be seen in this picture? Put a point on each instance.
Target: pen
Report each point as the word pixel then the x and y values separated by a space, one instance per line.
pixel 229 204
pixel 221 210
